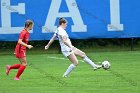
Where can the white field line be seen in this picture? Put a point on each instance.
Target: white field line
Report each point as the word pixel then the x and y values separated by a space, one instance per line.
pixel 60 58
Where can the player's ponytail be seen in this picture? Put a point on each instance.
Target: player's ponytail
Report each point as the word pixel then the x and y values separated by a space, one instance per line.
pixel 62 20
pixel 28 23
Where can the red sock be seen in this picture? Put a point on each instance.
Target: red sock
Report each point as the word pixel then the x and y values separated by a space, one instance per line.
pixel 20 71
pixel 16 66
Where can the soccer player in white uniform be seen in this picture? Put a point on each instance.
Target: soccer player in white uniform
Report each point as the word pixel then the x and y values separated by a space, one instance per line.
pixel 68 49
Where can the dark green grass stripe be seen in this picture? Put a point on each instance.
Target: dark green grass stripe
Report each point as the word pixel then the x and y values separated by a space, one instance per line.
pixel 48 75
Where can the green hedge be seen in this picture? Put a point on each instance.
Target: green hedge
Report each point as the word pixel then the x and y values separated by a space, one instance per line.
pixel 78 43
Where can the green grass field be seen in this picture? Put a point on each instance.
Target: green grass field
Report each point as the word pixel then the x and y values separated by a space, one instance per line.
pixel 44 74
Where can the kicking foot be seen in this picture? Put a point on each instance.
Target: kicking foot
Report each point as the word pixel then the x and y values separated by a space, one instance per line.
pixel 64 76
pixel 7 69
pixel 97 67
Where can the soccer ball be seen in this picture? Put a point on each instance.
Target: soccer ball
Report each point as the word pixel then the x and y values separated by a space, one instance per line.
pixel 106 65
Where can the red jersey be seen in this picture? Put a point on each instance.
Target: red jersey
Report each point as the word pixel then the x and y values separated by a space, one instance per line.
pixel 24 35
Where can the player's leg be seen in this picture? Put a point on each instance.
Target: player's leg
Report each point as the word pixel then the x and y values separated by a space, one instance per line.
pixel 74 61
pixel 15 66
pixel 21 69
pixel 18 55
pixel 80 53
pixel 9 67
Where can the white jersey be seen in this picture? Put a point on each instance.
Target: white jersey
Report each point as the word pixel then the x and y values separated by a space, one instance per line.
pixel 61 32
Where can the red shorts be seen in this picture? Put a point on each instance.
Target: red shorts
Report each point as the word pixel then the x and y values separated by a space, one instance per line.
pixel 20 53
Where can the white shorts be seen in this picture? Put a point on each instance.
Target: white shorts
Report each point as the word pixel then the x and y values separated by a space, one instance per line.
pixel 68 52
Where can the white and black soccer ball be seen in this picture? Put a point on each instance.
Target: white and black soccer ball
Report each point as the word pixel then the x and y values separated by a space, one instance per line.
pixel 106 65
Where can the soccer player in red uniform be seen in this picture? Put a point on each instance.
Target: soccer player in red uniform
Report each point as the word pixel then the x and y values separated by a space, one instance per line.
pixel 20 50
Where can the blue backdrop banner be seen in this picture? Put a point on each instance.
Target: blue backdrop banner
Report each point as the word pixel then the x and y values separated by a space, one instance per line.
pixel 86 18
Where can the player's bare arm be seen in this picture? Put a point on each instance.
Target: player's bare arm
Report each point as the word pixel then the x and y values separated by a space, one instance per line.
pixel 50 42
pixel 24 44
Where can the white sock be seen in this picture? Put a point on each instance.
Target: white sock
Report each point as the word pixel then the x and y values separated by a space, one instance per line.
pixel 70 68
pixel 88 61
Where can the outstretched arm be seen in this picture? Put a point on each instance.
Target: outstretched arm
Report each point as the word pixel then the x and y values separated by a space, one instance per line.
pixel 50 42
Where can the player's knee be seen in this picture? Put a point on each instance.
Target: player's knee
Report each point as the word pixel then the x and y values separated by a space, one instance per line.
pixel 24 63
pixel 83 55
pixel 76 63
